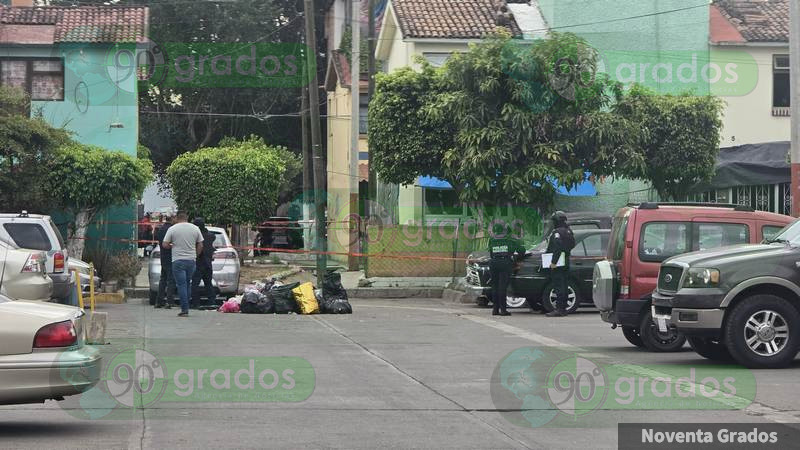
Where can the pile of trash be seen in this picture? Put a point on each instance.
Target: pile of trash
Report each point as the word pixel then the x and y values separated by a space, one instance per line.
pixel 273 297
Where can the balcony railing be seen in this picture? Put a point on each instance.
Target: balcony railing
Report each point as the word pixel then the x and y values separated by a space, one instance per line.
pixel 781 111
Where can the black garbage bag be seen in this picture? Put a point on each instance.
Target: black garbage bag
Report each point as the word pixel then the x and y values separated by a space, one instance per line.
pixel 334 295
pixel 256 303
pixel 337 306
pixel 283 298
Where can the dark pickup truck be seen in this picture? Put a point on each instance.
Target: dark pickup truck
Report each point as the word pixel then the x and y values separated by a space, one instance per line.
pixel 738 302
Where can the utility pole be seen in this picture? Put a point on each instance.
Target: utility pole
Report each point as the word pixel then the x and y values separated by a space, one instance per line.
pixel 355 118
pixel 794 88
pixel 308 178
pixel 321 244
pixel 372 186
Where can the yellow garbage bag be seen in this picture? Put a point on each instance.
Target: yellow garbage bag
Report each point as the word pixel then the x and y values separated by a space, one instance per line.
pixel 304 296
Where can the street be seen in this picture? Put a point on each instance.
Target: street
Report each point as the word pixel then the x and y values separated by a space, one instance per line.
pixel 395 373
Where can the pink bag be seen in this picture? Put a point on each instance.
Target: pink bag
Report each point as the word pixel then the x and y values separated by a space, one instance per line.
pixel 230 306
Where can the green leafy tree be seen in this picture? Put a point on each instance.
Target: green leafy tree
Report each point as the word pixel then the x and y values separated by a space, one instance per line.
pixel 681 139
pixel 84 180
pixel 508 121
pixel 493 126
pixel 26 145
pixel 405 141
pixel 235 184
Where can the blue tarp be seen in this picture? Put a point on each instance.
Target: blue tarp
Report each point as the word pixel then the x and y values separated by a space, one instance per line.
pixel 433 183
pixel 582 190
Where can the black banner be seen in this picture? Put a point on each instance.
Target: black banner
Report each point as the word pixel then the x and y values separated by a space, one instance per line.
pixel 708 436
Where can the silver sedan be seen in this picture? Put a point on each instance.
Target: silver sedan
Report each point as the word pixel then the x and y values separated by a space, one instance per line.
pixel 225 264
pixel 43 354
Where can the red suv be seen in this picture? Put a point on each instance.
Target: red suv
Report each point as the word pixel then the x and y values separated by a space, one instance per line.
pixel 643 236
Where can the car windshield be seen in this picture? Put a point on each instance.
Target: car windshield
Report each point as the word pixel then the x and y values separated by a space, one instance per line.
pixel 790 234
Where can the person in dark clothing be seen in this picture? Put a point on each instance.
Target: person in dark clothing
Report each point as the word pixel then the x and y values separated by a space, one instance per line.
pixel 166 283
pixel 503 247
pixel 205 269
pixel 560 244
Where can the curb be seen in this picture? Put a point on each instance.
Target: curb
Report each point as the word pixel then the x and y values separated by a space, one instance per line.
pixel 389 292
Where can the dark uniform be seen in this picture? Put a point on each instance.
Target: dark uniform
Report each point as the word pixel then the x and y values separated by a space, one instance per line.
pixel 502 249
pixel 560 244
pixel 166 283
pixel 205 269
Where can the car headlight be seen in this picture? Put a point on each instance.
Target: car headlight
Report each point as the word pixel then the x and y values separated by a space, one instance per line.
pixel 699 277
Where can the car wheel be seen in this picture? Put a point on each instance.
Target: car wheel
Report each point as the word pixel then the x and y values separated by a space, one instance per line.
pixel 549 299
pixel 516 302
pixel 153 297
pixel 657 341
pixel 762 332
pixel 709 348
pixel 632 335
pixel 483 302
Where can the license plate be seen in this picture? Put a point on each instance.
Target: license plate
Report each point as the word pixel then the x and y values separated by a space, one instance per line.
pixel 662 324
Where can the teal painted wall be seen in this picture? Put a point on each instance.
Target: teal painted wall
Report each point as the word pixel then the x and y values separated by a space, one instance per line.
pixel 629 33
pixel 632 38
pixel 97 93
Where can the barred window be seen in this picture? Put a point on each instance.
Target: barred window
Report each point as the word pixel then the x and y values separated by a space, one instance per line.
pixel 42 79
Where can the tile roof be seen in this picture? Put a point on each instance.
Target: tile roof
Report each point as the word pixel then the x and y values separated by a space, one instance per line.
pixel 88 24
pixel 758 20
pixel 448 19
pixel 339 72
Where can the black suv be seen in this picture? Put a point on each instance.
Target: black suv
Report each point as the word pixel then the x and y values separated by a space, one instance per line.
pixel 737 302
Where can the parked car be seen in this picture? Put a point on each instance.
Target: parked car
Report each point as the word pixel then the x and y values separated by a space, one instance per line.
pixel 37 232
pixel 43 355
pixel 739 303
pixel 226 267
pixel 83 269
pixel 478 280
pixel 278 232
pixel 643 236
pixel 23 274
pixel 530 282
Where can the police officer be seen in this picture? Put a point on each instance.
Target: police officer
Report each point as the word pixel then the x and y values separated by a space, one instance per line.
pixel 560 244
pixel 502 249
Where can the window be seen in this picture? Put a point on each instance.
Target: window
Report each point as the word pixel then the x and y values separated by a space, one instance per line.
pixel 363 101
pixel 436 59
pixel 28 235
pixel 770 231
pixel 780 82
pixel 585 226
pixel 443 202
pixel 42 79
pixel 595 245
pixel 713 235
pixel 661 240
pixel 618 230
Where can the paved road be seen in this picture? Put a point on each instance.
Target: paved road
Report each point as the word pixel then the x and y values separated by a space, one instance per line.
pixel 410 373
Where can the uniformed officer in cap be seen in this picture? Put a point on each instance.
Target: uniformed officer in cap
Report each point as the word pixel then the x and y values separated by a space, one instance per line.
pixel 502 249
pixel 560 244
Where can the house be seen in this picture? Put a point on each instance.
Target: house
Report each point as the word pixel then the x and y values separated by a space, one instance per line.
pixel 342 203
pixel 752 168
pixel 78 65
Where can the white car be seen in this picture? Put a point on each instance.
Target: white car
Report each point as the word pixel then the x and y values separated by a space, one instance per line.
pixel 226 267
pixel 43 355
pixel 23 274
